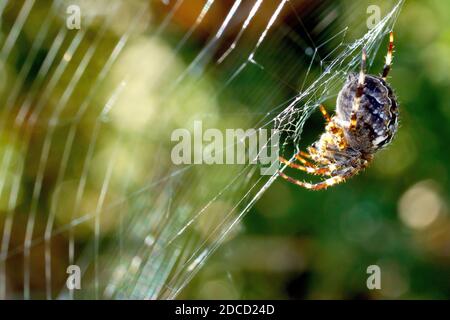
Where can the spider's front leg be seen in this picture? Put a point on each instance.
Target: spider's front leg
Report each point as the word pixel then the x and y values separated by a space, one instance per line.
pixel 325 113
pixel 388 62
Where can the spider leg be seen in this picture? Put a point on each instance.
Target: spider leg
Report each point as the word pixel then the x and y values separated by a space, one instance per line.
pixel 359 91
pixel 301 154
pixel 304 154
pixel 301 157
pixel 325 113
pixel 388 63
pixel 312 169
pixel 315 186
pixel 311 154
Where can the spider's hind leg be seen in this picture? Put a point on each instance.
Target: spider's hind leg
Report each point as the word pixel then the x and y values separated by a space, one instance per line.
pixel 314 186
pixel 308 167
pixel 301 155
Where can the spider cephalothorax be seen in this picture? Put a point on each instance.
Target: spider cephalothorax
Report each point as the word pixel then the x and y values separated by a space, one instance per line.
pixel 366 120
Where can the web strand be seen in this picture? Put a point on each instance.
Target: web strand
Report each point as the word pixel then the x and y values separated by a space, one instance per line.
pixel 170 219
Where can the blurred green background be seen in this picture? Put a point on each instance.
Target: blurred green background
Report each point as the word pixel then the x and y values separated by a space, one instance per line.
pixel 308 245
pixel 293 243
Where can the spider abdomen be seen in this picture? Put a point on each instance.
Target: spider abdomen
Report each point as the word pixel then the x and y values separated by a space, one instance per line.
pixel 377 115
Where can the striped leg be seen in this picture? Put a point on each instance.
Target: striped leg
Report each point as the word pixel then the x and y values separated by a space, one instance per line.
pixel 301 157
pixel 314 186
pixel 388 63
pixel 325 113
pixel 312 169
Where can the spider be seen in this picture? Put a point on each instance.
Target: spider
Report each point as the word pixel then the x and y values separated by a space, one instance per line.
pixel 366 120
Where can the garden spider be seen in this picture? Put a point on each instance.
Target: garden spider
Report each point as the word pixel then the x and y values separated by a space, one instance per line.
pixel 366 120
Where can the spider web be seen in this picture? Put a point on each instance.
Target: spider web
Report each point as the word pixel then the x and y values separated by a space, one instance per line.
pixel 86 177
